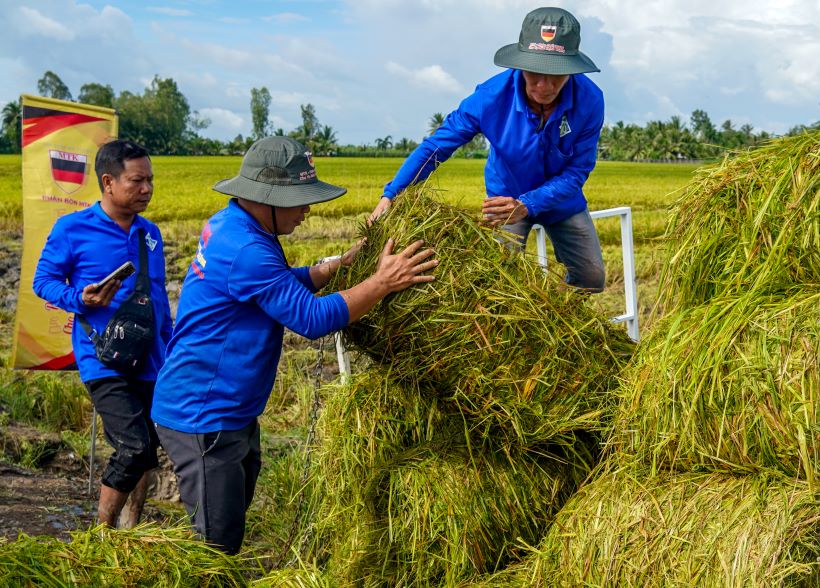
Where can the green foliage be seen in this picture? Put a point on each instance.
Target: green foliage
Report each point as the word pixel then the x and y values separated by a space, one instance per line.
pixel 158 119
pixel 11 133
pixel 51 86
pixel 96 94
pixel 56 401
pixel 260 111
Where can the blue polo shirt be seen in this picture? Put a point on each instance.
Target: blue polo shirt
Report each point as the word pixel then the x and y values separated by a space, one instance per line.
pixel 237 299
pixel 82 249
pixel 545 169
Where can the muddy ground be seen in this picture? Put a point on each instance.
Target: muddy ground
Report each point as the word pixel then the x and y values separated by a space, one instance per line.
pixel 52 498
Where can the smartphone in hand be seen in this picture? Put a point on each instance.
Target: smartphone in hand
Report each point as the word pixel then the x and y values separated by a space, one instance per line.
pixel 125 270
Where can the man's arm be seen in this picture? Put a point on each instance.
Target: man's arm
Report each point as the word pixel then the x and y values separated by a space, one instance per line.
pixel 288 301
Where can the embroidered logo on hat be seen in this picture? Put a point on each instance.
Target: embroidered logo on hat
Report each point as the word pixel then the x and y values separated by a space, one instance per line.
pixel 548 32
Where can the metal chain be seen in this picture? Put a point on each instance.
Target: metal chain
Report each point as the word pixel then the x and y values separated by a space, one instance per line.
pixel 311 436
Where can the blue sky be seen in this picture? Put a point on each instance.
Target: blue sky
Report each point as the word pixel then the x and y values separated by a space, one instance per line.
pixel 382 67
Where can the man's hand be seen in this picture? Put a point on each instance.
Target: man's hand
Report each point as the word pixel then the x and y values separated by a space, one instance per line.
pixel 381 208
pixel 349 255
pixel 503 210
pixel 94 296
pixel 398 271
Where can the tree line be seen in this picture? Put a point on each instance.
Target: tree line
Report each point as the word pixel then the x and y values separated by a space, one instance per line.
pixel 161 119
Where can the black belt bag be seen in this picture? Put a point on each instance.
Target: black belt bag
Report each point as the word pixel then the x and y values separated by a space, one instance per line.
pixel 129 335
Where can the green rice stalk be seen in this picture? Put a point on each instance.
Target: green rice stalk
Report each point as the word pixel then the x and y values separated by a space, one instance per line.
pixel 305 576
pixel 627 529
pixel 731 385
pixel 513 347
pixel 143 556
pixel 750 223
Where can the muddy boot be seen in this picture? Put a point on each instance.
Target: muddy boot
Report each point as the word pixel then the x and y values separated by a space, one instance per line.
pixel 111 503
pixel 136 501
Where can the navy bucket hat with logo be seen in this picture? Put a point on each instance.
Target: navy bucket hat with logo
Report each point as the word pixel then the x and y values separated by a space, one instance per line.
pixel 548 44
pixel 279 171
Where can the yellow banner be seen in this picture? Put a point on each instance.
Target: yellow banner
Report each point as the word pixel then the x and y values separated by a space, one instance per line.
pixel 60 141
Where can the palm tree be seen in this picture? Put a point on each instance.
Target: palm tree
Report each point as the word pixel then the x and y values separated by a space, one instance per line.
pixel 325 140
pixel 435 122
pixel 12 124
pixel 385 143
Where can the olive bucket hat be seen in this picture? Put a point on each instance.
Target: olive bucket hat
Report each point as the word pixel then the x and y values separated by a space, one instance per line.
pixel 548 44
pixel 279 171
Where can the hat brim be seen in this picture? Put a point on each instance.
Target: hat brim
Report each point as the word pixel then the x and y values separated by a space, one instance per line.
pixel 511 56
pixel 275 195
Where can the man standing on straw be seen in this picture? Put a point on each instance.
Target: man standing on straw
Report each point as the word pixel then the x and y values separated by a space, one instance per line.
pixel 542 118
pixel 238 297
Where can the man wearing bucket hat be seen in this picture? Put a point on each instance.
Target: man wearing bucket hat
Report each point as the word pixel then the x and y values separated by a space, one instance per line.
pixel 542 118
pixel 237 298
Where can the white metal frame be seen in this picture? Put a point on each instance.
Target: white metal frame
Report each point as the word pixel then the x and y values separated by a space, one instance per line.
pixel 630 316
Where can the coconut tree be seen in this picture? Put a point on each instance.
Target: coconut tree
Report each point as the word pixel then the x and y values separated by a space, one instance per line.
pixel 435 122
pixel 12 124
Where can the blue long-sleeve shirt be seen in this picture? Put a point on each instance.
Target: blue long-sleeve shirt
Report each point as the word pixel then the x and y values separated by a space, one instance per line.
pixel 84 247
pixel 236 300
pixel 545 169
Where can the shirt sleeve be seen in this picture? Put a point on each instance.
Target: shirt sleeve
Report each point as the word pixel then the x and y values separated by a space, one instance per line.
pixel 572 177
pixel 458 129
pixel 167 327
pixel 303 275
pixel 53 269
pixel 259 274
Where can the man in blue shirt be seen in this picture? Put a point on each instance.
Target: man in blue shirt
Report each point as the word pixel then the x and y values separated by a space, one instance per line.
pixel 542 118
pixel 83 248
pixel 238 297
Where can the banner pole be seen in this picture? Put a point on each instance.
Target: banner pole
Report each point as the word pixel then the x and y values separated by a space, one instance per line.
pixel 93 449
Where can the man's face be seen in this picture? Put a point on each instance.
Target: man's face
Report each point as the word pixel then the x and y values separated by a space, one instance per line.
pixel 543 89
pixel 287 219
pixel 132 190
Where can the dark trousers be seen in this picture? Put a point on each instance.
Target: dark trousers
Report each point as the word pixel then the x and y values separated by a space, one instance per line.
pixel 124 405
pixel 216 473
pixel 576 245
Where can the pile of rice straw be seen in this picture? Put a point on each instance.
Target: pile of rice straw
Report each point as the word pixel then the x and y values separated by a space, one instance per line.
pixel 146 555
pixel 632 528
pixel 519 353
pixel 711 476
pixel 730 385
pixel 406 500
pixel 750 224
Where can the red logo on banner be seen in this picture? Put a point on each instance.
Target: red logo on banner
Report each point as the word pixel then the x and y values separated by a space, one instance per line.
pixel 68 169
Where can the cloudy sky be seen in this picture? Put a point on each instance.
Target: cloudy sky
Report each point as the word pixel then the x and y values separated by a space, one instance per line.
pixel 381 67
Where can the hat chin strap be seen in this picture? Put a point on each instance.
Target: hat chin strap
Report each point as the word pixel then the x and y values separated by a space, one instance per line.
pixel 273 218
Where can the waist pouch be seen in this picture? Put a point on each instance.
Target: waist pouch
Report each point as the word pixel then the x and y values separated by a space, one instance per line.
pixel 125 343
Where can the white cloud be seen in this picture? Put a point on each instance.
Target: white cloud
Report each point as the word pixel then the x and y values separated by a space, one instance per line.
pixel 36 23
pixel 226 122
pixel 286 17
pixel 432 77
pixel 167 11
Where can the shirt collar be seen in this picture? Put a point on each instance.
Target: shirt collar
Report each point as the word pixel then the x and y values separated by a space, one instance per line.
pixel 97 210
pixel 235 210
